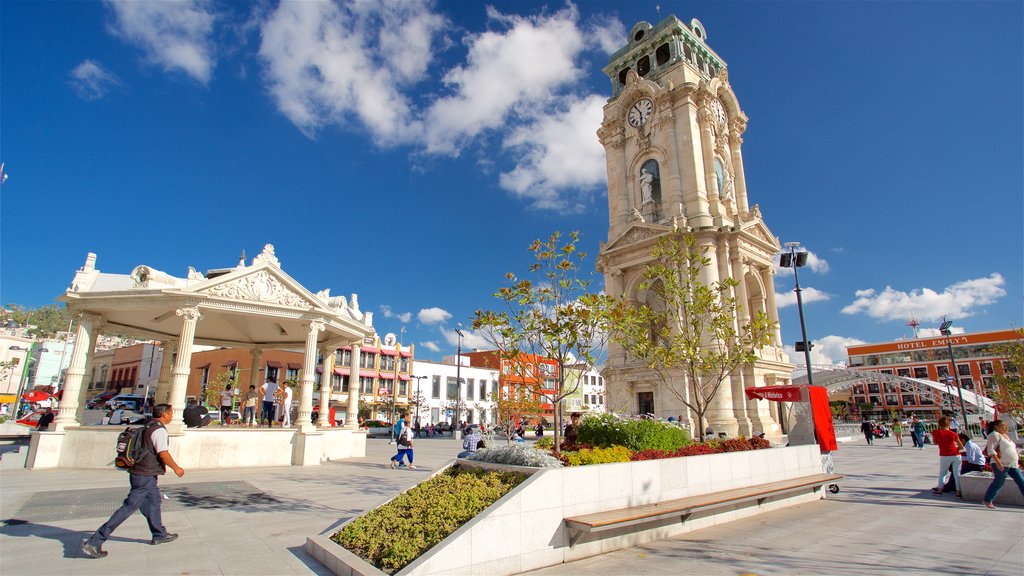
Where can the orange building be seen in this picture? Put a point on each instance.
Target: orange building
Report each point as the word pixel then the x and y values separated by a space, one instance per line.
pixel 529 370
pixel 977 365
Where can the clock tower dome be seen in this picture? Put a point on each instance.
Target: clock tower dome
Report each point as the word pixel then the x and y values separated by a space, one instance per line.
pixel 672 133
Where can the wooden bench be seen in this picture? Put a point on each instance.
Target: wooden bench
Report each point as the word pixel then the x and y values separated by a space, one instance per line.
pixel 685 507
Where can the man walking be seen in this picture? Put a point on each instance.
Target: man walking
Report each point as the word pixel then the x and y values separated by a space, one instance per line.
pixel 268 390
pixel 145 494
pixel 869 431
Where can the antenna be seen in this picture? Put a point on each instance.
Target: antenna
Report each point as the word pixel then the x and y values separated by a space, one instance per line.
pixel 657 8
pixel 913 323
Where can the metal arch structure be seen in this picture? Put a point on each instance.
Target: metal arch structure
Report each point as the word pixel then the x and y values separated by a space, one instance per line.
pixel 838 378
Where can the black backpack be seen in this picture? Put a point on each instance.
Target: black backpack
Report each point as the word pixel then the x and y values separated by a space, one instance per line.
pixel 130 444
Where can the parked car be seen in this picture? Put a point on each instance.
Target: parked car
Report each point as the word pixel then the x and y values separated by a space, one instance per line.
pixel 101 400
pixel 131 402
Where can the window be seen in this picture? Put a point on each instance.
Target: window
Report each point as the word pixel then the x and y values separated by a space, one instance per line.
pixel 622 76
pixel 483 389
pixel 403 366
pixel 435 413
pixel 387 363
pixel 529 370
pixel 1009 367
pixel 873 388
pixel 963 369
pixel 905 372
pixel 891 400
pixel 643 66
pixel 858 389
pixel 967 383
pixel 435 388
pixel 367 360
pixel 403 388
pixel 942 371
pixel 340 383
pixel 292 374
pixel 908 400
pixel 875 400
pixel 470 384
pixel 365 385
pixel 453 388
pixel 920 372
pixel 662 54
pixel 986 368
pixel 346 358
pixel 505 367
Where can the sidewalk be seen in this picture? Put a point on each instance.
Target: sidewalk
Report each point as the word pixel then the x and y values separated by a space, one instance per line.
pixel 255 521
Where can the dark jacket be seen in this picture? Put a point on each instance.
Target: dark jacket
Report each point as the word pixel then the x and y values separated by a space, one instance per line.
pixel 149 464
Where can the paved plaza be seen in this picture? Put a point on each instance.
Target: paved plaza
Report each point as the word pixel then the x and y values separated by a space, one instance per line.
pixel 255 521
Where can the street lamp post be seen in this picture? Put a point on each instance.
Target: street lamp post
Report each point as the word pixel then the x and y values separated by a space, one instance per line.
pixel 458 377
pixel 796 260
pixel 418 378
pixel 945 331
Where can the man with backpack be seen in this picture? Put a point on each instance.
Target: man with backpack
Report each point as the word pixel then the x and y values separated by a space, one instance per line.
pixel 152 462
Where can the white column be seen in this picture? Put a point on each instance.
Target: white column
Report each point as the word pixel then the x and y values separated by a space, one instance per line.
pixel 352 415
pixel 73 382
pixel 163 385
pixel 773 311
pixel 326 387
pixel 304 423
pixel 84 392
pixel 738 126
pixel 739 378
pixel 182 365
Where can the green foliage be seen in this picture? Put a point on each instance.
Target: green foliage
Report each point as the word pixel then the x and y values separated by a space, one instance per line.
pixel 1011 388
pixel 49 320
pixel 554 316
pixel 395 534
pixel 517 455
pixel 544 443
pixel 686 331
pixel 633 433
pixel 598 456
pixel 215 386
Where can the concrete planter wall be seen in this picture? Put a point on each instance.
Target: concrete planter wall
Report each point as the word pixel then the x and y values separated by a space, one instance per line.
pixel 524 530
pixel 93 447
pixel 974 484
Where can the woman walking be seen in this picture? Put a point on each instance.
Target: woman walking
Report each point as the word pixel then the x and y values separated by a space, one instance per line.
pixel 404 448
pixel 897 430
pixel 949 454
pixel 1004 461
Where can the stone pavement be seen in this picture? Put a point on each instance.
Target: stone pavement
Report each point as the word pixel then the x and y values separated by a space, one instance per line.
pixel 255 521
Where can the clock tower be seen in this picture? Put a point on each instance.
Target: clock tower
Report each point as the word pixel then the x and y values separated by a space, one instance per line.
pixel 672 134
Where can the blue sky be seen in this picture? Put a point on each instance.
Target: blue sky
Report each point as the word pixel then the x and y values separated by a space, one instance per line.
pixel 410 152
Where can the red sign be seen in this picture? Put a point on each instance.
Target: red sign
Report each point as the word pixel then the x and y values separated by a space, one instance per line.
pixel 775 393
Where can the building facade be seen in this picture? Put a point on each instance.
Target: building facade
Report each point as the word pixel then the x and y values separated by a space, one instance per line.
pixel 444 387
pixel 977 365
pixel 672 133
pixel 529 371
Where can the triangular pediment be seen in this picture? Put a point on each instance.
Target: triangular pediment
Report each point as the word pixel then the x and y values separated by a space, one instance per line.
pixel 757 230
pixel 637 233
pixel 262 283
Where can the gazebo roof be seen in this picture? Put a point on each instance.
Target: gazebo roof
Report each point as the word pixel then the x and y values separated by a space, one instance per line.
pixel 244 306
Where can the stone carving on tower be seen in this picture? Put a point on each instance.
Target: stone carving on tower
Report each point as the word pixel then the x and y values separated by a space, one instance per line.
pixel 672 136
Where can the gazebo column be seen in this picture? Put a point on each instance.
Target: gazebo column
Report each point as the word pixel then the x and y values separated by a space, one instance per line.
pixel 68 406
pixel 326 387
pixel 163 384
pixel 83 394
pixel 256 380
pixel 182 364
pixel 304 423
pixel 352 414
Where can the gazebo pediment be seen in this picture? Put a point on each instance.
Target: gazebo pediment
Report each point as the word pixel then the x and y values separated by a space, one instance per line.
pixel 261 284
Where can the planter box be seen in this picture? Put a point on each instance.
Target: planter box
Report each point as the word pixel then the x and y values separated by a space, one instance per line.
pixel 974 484
pixel 524 530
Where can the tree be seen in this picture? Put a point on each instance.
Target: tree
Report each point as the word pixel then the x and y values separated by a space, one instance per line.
pixel 554 317
pixel 512 405
pixel 687 332
pixel 1010 392
pixel 214 386
pixel 46 321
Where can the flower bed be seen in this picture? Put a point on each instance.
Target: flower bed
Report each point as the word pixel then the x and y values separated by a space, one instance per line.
pixel 393 535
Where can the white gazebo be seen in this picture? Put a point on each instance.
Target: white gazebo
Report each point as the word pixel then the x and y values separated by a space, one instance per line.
pixel 259 307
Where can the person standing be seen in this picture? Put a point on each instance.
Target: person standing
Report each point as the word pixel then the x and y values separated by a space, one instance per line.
pixel 917 430
pixel 949 454
pixel 286 405
pixel 267 391
pixel 45 420
pixel 226 401
pixel 249 406
pixel 1004 461
pixel 145 494
pixel 897 431
pixel 868 430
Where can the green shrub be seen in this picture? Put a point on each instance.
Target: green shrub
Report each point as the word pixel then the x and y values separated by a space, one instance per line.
pixel 517 455
pixel 545 443
pixel 634 433
pixel 598 456
pixel 395 534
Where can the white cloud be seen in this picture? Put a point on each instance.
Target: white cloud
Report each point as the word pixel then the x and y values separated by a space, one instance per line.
pixel 515 70
pixel 828 350
pixel 91 81
pixel 470 339
pixel 808 295
pixel 932 332
pixel 433 315
pixel 403 317
pixel 557 153
pixel 607 32
pixel 327 61
pixel 431 345
pixel 173 34
pixel 815 264
pixel 955 301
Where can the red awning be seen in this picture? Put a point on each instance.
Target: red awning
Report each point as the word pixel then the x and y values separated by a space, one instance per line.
pixel 341 371
pixel 406 354
pixel 35 396
pixel 775 393
pixel 230 364
pixel 207 365
pixel 387 375
pixel 367 374
pixel 404 377
pixel 294 366
pixel 273 364
pixel 388 352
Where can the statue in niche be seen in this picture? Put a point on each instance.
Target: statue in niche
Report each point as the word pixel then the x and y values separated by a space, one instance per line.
pixel 650 183
pixel 636 216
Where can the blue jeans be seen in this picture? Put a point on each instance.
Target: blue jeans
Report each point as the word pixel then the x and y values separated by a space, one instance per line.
pixel 402 453
pixel 144 497
pixel 268 413
pixel 250 415
pixel 997 482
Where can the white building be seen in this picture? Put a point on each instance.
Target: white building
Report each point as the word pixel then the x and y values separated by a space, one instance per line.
pixel 439 390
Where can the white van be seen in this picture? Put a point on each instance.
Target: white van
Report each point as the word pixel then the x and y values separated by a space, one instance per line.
pixel 132 402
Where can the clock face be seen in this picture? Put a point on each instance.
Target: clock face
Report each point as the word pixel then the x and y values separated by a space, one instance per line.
pixel 719 112
pixel 640 112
